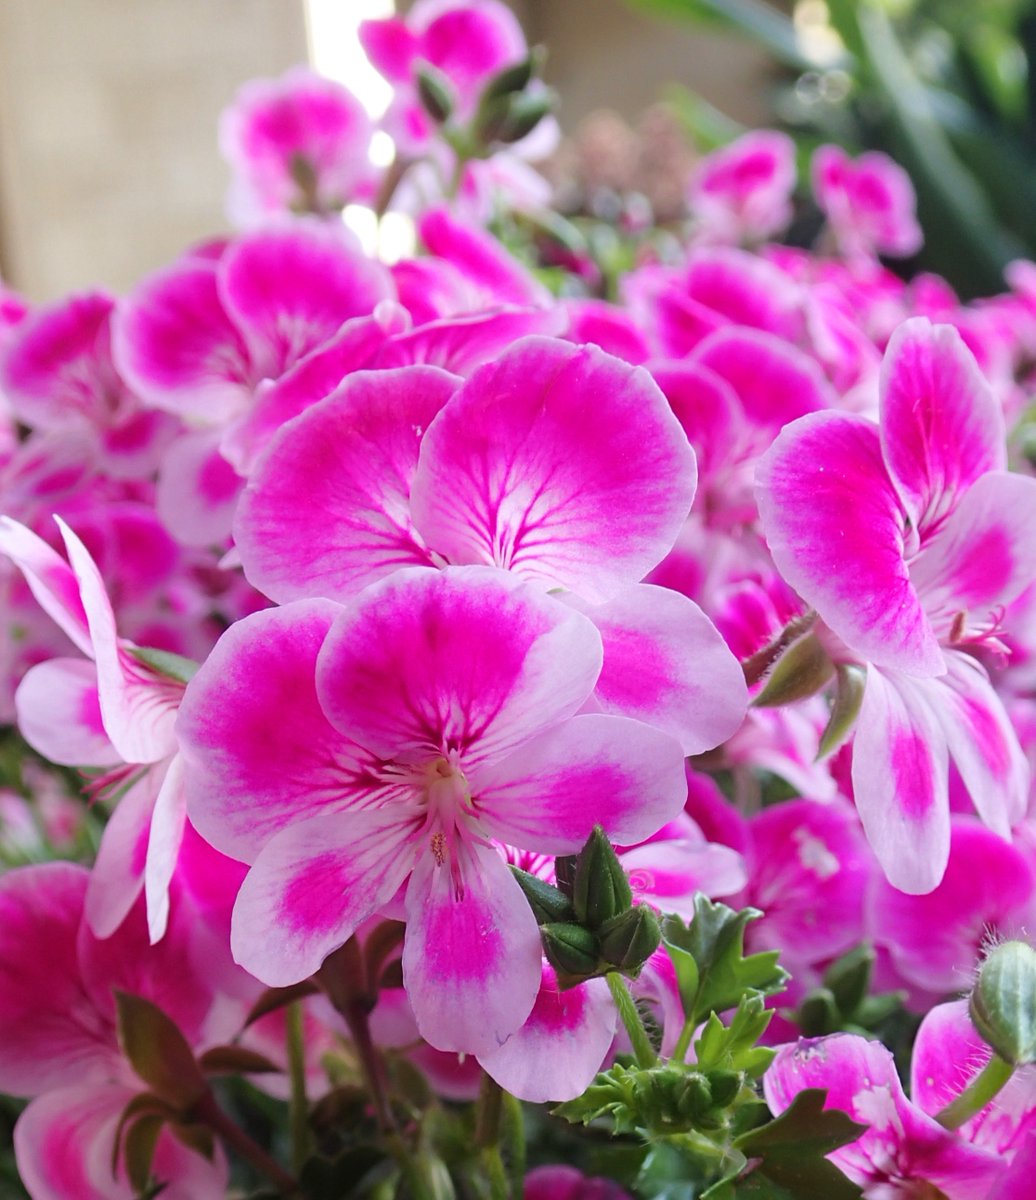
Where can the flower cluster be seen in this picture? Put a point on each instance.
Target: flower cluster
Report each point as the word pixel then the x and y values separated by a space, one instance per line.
pixel 371 605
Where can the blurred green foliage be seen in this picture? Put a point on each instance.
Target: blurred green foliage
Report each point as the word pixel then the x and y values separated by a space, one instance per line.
pixel 947 87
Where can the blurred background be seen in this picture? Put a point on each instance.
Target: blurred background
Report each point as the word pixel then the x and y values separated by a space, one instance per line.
pixel 108 110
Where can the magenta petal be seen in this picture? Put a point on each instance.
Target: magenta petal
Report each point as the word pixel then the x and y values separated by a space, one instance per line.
pixel 900 779
pixel 118 874
pixel 312 885
pixel 64 1142
pixel 983 554
pixel 138 709
pixel 327 510
pixel 59 714
pixel 561 1047
pixel 52 1035
pixel 468 659
pixel 293 286
pixel 941 425
pixel 460 344
pixel 666 664
pixel 258 751
pixel 835 528
pixel 592 770
pixel 471 959
pixel 165 836
pixel 902 1146
pixel 560 463
pixel 173 340
pixel 481 259
pixel 198 490
pixel 983 743
pixel 775 382
pixel 935 940
pixel 51 580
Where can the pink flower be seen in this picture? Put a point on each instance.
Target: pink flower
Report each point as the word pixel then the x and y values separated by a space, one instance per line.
pixel 908 539
pixel 868 201
pixel 297 143
pixel 431 715
pixel 60 1046
pixel 742 192
pixel 468 41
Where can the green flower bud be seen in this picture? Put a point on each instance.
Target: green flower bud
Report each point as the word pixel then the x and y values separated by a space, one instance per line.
pixel 570 949
pixel 513 78
pixel 725 1085
pixel 801 671
pixel 1003 1002
pixel 565 873
pixel 629 940
pixel 601 890
pixel 524 113
pixel 547 903
pixel 435 93
pixel 695 1098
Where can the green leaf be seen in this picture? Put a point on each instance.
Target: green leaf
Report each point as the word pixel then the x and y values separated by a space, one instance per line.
pixel 759 21
pixel 236 1060
pixel 138 1151
pixel 158 1052
pixel 275 998
pixel 173 666
pixel 734 1046
pixel 845 709
pixel 792 1149
pixel 715 940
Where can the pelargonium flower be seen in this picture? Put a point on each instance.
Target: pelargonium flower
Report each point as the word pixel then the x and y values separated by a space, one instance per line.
pixel 467 41
pixel 297 143
pixel 908 538
pixel 116 713
pixel 558 463
pixel 869 203
pixel 60 1046
pixel 905 1148
pixel 433 714
pixel 743 190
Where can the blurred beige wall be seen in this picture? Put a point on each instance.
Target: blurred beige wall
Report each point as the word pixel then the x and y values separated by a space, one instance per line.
pixel 108 108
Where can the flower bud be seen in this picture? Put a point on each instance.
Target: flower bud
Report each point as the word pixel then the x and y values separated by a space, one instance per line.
pixel 695 1097
pixel 601 890
pixel 629 940
pixel 725 1085
pixel 570 949
pixel 1003 1002
pixel 801 671
pixel 565 873
pixel 514 78
pixel 435 93
pixel 547 903
pixel 524 113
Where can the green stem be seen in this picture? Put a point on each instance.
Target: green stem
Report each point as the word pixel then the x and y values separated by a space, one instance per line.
pixel 683 1042
pixel 208 1112
pixel 977 1094
pixel 301 1141
pixel 630 1018
pixel 489 1111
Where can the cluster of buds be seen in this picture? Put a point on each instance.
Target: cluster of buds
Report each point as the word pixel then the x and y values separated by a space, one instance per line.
pixel 589 924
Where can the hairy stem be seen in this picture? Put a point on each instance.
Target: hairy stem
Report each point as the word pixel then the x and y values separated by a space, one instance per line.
pixel 630 1018
pixel 977 1094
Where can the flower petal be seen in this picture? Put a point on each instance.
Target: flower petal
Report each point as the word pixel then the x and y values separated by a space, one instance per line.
pixel 59 714
pixel 327 510
pixel 900 780
pixel 834 525
pixel 52 1036
pixel 50 578
pixel 560 463
pixel 468 658
pixel 165 836
pixel 592 770
pixel 561 1047
pixel 471 958
pixel 666 664
pixel 312 885
pixel 198 490
pixel 941 425
pixel 259 753
pixel 118 874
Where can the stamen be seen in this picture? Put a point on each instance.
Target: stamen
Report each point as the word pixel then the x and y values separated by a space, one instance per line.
pixel 439 847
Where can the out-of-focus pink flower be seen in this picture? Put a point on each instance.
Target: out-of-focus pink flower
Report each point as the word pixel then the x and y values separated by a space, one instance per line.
pixel 869 203
pixel 567 1183
pixel 742 192
pixel 299 143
